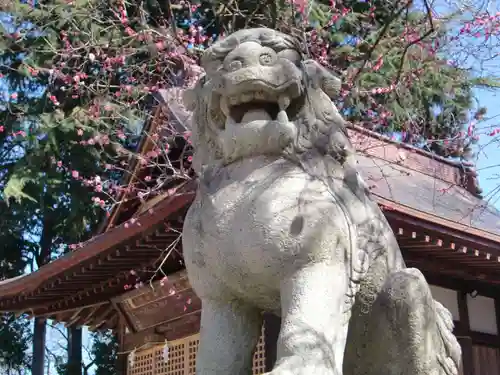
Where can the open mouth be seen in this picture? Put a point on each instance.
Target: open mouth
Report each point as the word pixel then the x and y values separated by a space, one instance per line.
pixel 269 110
pixel 260 106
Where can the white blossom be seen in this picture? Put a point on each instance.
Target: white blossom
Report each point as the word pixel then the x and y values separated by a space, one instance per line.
pixel 165 352
pixel 131 359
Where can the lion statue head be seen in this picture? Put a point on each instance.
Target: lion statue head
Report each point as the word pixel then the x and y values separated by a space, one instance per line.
pixel 261 95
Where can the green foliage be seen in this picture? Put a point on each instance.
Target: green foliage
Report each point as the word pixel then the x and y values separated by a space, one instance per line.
pixel 103 355
pixel 104 350
pixel 81 79
pixel 392 57
pixel 16 184
pixel 15 339
pixel 396 77
pixel 15 333
pixel 45 168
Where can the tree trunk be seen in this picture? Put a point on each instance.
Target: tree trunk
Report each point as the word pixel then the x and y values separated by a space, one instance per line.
pixel 74 351
pixel 42 258
pixel 38 361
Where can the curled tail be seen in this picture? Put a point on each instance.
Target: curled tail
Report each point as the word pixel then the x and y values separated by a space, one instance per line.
pixel 450 357
pixel 404 331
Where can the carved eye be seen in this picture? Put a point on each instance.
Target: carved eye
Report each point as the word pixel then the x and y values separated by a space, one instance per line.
pixel 234 65
pixel 266 59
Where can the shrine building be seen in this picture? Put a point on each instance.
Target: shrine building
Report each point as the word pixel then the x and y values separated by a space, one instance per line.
pixel 443 227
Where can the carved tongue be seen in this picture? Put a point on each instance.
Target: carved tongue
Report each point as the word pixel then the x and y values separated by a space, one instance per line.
pixel 256 115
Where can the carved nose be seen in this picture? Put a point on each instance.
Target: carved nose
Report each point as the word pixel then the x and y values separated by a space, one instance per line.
pixel 249 54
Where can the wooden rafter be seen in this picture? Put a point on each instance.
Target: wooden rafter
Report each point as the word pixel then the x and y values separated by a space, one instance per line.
pixel 66 269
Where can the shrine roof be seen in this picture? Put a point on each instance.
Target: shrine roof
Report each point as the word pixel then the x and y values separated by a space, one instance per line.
pixel 86 279
pixel 427 197
pixel 170 110
pixel 424 186
pixel 77 288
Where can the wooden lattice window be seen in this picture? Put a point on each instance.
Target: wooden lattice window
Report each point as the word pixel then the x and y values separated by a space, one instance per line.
pixel 143 364
pixel 182 358
pixel 259 357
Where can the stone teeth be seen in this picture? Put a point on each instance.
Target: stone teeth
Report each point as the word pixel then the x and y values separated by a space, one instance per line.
pixel 254 95
pixel 284 102
pixel 245 98
pixel 260 95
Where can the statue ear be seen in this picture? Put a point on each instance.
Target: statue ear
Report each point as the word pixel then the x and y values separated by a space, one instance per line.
pixel 322 78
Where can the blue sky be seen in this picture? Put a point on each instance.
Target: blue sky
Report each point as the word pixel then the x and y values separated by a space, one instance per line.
pixel 488 148
pixel 488 158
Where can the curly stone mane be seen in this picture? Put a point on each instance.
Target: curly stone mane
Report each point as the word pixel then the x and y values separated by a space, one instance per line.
pixel 267 37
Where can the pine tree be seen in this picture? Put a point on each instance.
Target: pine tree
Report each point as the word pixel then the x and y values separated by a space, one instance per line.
pixel 397 80
pixel 15 332
pixel 62 140
pixel 15 339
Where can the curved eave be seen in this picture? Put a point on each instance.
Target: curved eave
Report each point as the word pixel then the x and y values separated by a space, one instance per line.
pixel 169 106
pixel 129 178
pixel 99 269
pixel 78 287
pixel 443 248
pixel 471 237
pixel 102 315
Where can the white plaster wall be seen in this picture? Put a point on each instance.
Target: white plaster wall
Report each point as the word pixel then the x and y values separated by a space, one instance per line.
pixel 448 298
pixel 482 314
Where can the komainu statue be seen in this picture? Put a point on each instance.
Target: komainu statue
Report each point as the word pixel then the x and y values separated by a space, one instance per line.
pixel 283 223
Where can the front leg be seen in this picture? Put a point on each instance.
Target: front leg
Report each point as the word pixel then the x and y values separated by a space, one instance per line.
pixel 229 333
pixel 314 321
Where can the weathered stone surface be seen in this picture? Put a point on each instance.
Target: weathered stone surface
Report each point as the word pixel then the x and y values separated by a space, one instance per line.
pixel 282 222
pixel 406 332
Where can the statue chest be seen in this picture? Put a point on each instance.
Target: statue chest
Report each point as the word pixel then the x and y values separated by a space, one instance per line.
pixel 263 212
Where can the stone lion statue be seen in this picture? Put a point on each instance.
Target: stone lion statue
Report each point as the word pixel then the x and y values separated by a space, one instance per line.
pixel 283 223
